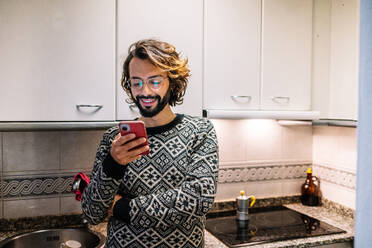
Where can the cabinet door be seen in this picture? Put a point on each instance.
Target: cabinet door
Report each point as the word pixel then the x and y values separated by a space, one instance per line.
pixel 344 46
pixel 177 22
pixel 286 55
pixel 57 55
pixel 232 54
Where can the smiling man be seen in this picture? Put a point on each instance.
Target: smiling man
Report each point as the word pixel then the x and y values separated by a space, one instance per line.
pixel 159 199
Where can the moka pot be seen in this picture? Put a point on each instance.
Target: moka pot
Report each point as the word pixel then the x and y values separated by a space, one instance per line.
pixel 242 204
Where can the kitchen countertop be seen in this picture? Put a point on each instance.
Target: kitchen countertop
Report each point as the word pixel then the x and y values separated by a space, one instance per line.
pixel 324 214
pixel 321 213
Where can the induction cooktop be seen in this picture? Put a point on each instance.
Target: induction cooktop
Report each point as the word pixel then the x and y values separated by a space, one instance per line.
pixel 267 224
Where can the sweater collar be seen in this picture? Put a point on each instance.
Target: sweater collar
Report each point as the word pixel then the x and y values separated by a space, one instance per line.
pixel 166 127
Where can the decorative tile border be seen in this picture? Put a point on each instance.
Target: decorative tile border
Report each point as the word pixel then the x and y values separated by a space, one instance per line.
pixel 31 186
pixel 262 173
pixel 335 176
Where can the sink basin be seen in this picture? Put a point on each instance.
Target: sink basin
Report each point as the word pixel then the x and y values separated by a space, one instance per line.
pixel 55 238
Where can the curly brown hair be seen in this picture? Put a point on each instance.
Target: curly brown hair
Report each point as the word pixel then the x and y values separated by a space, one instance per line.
pixel 165 56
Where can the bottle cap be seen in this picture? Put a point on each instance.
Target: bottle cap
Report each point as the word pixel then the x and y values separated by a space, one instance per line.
pixel 309 170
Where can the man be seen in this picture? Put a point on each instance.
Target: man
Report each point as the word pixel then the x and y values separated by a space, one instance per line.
pixel 159 199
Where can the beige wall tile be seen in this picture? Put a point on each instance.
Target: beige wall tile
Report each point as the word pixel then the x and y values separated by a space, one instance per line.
pixel 339 194
pixel 335 146
pixel 261 189
pixel 69 205
pixel 297 142
pixel 292 186
pixel 23 151
pixel 264 140
pixel 229 191
pixel 348 148
pixel 231 139
pixel 78 149
pixel 31 207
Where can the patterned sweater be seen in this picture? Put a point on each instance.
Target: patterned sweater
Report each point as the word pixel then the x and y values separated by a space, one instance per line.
pixel 166 194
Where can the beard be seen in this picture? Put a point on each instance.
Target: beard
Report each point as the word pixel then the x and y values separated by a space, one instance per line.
pixel 161 103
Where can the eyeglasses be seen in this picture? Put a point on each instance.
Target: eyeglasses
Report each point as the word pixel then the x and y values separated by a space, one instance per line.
pixel 137 84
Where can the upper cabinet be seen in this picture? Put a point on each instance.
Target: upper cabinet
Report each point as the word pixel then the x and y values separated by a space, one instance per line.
pixel 177 22
pixel 258 55
pixel 286 54
pixel 335 58
pixel 58 60
pixel 232 54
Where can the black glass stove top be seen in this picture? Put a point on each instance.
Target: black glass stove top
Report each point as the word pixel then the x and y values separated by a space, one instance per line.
pixel 265 225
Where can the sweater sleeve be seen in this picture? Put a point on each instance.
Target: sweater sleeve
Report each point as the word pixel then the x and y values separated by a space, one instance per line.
pixel 194 197
pixel 104 183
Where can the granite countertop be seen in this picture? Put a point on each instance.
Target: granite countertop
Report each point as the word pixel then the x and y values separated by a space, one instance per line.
pixel 322 213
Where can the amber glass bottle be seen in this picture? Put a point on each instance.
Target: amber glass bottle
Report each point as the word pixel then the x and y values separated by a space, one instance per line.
pixel 310 192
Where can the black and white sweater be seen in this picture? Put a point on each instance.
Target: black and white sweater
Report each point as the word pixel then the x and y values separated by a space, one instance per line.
pixel 166 194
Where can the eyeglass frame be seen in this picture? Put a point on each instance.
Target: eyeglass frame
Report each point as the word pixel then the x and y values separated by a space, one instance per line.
pixel 146 81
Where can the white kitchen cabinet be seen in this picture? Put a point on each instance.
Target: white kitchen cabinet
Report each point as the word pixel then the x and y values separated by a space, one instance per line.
pixel 56 55
pixel 286 55
pixel 177 22
pixel 335 55
pixel 232 54
pixel 258 55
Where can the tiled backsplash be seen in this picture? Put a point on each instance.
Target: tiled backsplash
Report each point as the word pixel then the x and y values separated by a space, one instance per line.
pixel 37 169
pixel 258 156
pixel 262 158
pixel 335 163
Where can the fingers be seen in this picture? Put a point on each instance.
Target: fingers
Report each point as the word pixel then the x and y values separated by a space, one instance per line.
pixel 137 151
pixel 134 143
pixel 121 140
pixel 127 148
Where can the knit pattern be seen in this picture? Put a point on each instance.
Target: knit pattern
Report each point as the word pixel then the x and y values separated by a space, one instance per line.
pixel 171 189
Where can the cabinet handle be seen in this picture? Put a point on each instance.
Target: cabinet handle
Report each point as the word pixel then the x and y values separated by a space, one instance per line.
pixel 238 98
pixel 89 106
pixel 280 99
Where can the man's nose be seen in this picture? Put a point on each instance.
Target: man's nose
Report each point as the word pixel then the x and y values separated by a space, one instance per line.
pixel 146 89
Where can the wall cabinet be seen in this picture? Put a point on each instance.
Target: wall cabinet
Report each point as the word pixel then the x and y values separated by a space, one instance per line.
pixel 57 56
pixel 258 55
pixel 232 54
pixel 335 58
pixel 177 22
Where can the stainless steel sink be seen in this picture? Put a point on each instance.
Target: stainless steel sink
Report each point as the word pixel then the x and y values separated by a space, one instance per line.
pixel 55 238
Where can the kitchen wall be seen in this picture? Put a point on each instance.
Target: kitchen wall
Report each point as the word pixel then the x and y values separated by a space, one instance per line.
pixel 37 169
pixel 335 162
pixel 270 160
pixel 261 157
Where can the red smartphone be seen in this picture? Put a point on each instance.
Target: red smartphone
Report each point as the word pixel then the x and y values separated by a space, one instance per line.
pixel 136 127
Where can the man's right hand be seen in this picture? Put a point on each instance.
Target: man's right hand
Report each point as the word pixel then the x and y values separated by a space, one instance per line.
pixel 121 148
